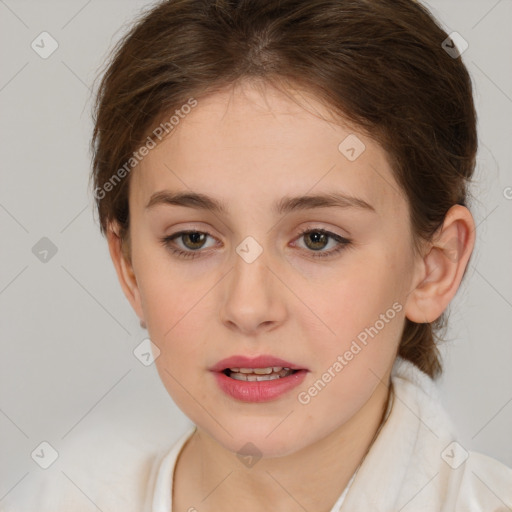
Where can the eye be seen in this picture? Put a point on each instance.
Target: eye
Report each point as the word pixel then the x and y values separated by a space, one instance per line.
pixel 316 240
pixel 194 240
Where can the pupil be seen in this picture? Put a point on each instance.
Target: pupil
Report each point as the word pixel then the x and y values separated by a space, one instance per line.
pixel 195 237
pixel 315 235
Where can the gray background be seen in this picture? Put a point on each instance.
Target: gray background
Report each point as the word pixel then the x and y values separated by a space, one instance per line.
pixel 68 334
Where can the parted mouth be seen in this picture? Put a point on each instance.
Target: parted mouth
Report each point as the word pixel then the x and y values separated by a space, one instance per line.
pixel 263 365
pixel 258 374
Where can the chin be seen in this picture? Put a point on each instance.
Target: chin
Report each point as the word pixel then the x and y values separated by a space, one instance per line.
pixel 262 439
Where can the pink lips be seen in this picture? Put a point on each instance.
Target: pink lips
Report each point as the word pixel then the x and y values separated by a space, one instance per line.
pixel 263 361
pixel 256 391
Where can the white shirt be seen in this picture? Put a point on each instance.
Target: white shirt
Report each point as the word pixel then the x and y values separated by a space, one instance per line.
pixel 414 465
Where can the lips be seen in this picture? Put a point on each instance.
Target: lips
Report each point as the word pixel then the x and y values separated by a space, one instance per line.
pixel 234 381
pixel 262 361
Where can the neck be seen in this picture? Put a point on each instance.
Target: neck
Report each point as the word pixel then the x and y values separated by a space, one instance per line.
pixel 212 478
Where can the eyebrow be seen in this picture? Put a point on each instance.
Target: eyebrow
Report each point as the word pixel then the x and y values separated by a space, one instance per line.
pixel 283 206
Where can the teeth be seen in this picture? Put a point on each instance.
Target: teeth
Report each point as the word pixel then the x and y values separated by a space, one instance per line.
pixel 262 371
pixel 259 371
pixel 259 376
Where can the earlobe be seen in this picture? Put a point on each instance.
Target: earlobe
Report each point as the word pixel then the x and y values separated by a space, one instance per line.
pixel 124 269
pixel 443 266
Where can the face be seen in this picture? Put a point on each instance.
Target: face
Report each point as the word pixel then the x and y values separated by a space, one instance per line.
pixel 320 286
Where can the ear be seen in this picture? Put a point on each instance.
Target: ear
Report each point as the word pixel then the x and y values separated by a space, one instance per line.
pixel 442 267
pixel 120 254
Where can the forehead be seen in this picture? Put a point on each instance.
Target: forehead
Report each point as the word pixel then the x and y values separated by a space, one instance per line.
pixel 256 141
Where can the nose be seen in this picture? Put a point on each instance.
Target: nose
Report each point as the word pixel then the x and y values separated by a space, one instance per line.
pixel 253 297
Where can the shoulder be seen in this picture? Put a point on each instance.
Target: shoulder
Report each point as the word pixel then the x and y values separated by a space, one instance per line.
pixel 461 479
pixel 109 467
pixel 484 483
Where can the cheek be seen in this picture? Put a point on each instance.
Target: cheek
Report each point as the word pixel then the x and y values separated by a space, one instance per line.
pixel 356 348
pixel 342 307
pixel 363 319
pixel 166 295
pixel 174 311
pixel 176 320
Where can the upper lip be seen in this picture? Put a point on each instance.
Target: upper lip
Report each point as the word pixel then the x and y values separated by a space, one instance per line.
pixel 262 361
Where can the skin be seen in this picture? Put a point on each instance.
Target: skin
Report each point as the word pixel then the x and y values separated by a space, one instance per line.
pixel 250 146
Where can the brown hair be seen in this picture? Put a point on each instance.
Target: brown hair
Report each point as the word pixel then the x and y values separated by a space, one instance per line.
pixel 379 63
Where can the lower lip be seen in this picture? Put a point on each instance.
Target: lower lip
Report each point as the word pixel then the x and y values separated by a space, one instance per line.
pixel 259 391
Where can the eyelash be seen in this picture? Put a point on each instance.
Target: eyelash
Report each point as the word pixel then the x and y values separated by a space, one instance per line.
pixel 343 243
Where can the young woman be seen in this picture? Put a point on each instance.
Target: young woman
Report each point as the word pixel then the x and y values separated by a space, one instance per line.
pixel 283 187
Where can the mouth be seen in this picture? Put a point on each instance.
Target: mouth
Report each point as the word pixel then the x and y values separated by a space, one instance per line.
pixel 264 384
pixel 258 374
pixel 257 379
